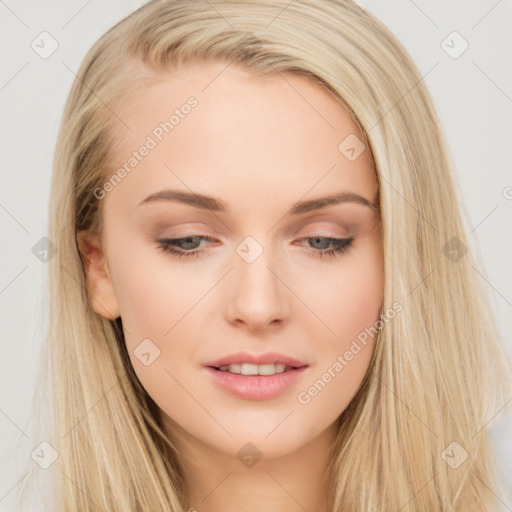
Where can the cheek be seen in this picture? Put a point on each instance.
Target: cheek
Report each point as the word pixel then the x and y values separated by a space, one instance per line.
pixel 153 291
pixel 156 303
pixel 349 303
pixel 348 296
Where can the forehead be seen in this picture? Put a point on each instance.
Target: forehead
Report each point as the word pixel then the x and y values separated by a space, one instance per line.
pixel 246 136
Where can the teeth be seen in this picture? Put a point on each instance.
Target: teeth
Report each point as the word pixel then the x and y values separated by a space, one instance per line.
pixel 255 369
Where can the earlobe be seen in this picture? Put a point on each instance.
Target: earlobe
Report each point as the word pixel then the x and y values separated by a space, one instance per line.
pixel 99 284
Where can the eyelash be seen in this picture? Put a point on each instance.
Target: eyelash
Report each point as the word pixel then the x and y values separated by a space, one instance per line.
pixel 342 245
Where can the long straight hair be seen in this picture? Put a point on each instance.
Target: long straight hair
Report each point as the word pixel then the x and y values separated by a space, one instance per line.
pixel 439 374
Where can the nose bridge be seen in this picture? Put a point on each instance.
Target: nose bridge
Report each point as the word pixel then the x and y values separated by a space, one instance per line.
pixel 258 297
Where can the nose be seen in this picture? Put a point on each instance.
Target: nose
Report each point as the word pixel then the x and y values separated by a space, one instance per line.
pixel 257 295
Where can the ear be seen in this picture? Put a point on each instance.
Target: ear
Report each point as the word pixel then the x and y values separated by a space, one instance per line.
pixel 99 283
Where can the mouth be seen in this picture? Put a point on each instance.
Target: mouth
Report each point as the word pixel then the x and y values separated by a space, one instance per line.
pixel 251 376
pixel 248 369
pixel 256 382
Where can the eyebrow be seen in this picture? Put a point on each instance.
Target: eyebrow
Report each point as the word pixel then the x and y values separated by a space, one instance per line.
pixel 216 205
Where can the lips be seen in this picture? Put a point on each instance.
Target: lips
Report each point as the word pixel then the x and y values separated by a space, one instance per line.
pixel 258 359
pixel 256 387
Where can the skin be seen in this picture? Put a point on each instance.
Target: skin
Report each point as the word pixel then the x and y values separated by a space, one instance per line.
pixel 259 145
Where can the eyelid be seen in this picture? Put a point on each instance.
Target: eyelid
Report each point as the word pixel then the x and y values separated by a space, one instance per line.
pixel 320 232
pixel 325 233
pixel 324 227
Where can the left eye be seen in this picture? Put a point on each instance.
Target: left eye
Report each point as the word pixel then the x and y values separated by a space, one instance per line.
pixel 187 245
pixel 340 245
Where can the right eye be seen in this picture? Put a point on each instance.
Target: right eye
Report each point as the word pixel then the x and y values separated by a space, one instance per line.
pixel 186 245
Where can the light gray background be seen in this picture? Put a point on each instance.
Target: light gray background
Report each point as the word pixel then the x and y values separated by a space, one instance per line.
pixel 473 95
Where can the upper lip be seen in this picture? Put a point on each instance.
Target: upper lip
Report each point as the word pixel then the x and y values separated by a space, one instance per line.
pixel 268 358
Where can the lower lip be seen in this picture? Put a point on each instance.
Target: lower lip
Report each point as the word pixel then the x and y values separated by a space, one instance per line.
pixel 256 387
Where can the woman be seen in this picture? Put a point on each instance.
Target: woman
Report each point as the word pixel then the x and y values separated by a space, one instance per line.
pixel 263 292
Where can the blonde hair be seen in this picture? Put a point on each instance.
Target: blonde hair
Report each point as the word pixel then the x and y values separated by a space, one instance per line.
pixel 438 375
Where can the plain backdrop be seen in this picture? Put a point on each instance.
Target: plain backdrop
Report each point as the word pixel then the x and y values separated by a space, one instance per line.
pixel 472 93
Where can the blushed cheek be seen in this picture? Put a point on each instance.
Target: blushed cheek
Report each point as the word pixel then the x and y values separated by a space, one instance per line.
pixel 348 354
pixel 151 307
pixel 152 304
pixel 150 289
pixel 354 305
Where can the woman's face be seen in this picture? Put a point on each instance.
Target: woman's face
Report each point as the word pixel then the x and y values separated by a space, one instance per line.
pixel 263 267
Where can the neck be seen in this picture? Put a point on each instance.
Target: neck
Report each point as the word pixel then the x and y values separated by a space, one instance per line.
pixel 216 481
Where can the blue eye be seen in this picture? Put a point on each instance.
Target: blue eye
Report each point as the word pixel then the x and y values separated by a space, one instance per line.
pixel 187 246
pixel 341 245
pixel 168 245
